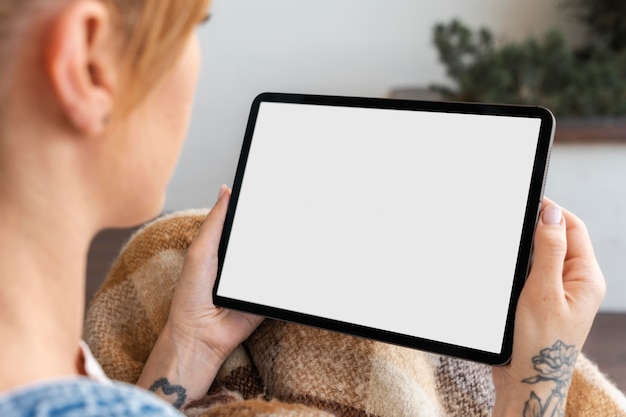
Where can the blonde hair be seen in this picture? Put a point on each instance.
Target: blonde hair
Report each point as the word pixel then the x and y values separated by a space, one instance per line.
pixel 156 32
pixel 154 35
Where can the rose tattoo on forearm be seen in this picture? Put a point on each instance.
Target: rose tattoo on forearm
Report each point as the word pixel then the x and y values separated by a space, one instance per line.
pixel 556 365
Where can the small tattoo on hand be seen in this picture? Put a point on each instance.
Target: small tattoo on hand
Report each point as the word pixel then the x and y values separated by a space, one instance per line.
pixel 168 389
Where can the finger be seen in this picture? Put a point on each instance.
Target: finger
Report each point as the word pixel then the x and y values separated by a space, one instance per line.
pixel 246 321
pixel 582 270
pixel 550 247
pixel 579 242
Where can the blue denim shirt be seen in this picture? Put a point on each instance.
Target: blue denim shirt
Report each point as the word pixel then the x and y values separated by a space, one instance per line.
pixel 83 397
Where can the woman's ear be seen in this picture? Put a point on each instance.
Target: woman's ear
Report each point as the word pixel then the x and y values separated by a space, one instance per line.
pixel 81 64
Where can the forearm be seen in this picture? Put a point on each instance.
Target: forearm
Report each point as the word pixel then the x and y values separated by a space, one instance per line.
pixel 179 372
pixel 526 401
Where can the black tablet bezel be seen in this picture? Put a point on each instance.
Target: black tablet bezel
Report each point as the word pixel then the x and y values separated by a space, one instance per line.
pixel 533 205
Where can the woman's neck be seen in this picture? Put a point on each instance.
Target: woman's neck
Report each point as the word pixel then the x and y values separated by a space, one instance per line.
pixel 43 256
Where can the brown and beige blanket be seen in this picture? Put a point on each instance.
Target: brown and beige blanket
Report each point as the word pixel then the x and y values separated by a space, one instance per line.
pixel 289 370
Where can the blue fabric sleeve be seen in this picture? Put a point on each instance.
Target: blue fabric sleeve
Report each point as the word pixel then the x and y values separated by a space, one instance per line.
pixel 83 397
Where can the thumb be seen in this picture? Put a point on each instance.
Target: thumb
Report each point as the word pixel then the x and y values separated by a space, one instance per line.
pixel 550 248
pixel 203 249
pixel 214 223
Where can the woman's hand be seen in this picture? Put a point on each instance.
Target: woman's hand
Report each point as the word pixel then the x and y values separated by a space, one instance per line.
pixel 555 312
pixel 198 336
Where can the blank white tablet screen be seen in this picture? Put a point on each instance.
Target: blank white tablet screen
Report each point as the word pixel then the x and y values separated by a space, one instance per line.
pixel 406 221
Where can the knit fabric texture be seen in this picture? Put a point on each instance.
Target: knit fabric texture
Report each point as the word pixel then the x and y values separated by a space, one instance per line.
pixel 285 369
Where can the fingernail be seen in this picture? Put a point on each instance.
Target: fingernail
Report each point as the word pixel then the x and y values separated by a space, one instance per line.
pixel 552 215
pixel 222 192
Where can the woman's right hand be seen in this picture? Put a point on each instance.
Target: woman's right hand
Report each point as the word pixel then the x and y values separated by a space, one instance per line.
pixel 555 312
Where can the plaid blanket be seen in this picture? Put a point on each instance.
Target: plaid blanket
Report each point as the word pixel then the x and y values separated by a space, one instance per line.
pixel 285 369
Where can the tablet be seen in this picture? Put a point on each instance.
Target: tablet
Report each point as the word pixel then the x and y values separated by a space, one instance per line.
pixel 407 222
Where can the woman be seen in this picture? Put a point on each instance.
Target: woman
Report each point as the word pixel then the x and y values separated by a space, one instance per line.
pixel 95 97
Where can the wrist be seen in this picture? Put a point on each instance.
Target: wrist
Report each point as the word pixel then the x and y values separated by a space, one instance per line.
pixel 511 403
pixel 179 368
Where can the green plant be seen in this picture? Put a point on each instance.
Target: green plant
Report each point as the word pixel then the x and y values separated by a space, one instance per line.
pixel 589 81
pixel 606 20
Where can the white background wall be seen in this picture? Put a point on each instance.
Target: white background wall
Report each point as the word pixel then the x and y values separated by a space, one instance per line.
pixel 345 47
pixel 351 47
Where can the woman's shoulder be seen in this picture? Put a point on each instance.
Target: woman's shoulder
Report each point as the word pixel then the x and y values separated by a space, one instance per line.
pixel 83 397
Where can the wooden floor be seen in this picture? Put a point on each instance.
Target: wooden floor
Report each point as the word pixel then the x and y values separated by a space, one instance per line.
pixel 606 344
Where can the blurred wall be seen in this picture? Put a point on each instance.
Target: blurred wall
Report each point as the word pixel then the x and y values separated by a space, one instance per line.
pixel 348 47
